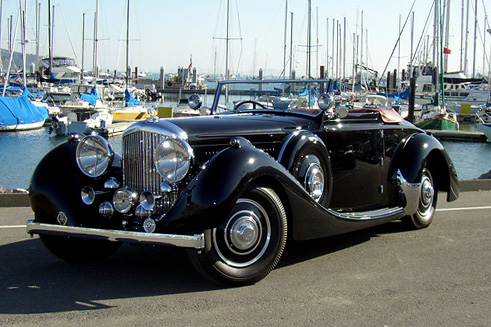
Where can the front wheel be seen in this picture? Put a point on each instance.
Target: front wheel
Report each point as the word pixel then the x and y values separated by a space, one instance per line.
pixel 423 216
pixel 249 244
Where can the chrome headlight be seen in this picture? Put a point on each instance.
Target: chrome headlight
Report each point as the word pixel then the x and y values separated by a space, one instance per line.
pixel 94 155
pixel 173 159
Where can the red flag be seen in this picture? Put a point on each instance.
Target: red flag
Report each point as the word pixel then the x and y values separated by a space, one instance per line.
pixel 446 50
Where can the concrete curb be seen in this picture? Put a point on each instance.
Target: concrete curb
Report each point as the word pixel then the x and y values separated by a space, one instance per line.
pixel 22 199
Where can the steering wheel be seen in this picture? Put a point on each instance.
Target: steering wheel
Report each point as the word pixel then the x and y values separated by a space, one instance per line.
pixel 246 105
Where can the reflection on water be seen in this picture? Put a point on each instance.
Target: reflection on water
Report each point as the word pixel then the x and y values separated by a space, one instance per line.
pixel 21 151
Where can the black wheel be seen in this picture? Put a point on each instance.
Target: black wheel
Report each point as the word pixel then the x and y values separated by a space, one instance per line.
pixel 249 244
pixel 423 216
pixel 311 169
pixel 78 250
pixel 249 104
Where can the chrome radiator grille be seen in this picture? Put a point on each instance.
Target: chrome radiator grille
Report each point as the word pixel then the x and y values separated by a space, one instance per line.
pixel 139 171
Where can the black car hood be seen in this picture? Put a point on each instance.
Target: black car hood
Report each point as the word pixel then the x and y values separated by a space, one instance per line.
pixel 219 126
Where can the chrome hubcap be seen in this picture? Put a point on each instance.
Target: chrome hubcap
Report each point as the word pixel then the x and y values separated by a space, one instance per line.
pixel 314 181
pixel 244 233
pixel 244 238
pixel 427 196
pixel 427 192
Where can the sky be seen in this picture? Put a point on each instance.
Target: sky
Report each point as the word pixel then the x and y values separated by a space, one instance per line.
pixel 171 34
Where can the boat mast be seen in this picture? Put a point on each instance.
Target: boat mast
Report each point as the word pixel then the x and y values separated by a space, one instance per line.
pixel 435 47
pixel 447 32
pixel 83 46
pixel 50 35
pixel 475 40
pixel 291 44
pixel 308 39
pixel 284 39
pixel 38 28
pixel 23 41
pixel 128 71
pixel 466 37
pixel 227 41
pixel 96 18
pixel 462 37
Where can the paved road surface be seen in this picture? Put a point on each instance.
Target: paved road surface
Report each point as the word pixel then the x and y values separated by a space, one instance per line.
pixel 385 276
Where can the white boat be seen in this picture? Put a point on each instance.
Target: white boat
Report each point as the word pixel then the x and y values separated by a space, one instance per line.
pixel 20 114
pixel 83 122
pixel 60 69
pixel 486 129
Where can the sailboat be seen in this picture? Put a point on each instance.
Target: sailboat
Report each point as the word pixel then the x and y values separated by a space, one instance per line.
pixel 20 113
pixel 133 108
pixel 435 115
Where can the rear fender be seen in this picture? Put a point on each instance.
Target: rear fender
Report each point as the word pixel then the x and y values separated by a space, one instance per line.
pixel 411 156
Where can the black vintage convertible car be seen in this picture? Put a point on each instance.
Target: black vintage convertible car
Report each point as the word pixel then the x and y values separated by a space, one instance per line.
pixel 267 161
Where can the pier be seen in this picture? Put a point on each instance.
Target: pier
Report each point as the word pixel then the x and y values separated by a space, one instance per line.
pixel 460 136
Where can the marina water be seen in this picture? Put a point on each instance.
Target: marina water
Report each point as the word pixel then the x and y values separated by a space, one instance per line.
pixel 20 152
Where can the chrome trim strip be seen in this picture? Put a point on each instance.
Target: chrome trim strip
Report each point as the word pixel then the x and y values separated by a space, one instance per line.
pixel 185 241
pixel 368 215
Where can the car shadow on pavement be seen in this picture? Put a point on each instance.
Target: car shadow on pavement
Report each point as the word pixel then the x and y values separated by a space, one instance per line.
pixel 299 251
pixel 32 280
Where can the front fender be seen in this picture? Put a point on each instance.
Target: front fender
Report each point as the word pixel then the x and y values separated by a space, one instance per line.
pixel 56 186
pixel 210 196
pixel 411 156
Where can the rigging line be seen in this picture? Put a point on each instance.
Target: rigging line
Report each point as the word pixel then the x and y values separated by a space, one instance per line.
pixel 423 33
pixel 68 32
pixel 240 36
pixel 398 40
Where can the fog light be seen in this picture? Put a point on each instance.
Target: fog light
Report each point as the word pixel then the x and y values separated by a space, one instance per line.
pixel 124 199
pixel 147 201
pixel 106 210
pixel 112 183
pixel 141 212
pixel 88 195
pixel 149 225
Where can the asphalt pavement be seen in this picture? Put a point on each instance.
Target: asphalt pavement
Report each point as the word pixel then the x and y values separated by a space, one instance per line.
pixel 383 276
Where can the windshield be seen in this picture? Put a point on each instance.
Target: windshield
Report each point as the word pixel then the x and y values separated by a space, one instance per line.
pixel 284 95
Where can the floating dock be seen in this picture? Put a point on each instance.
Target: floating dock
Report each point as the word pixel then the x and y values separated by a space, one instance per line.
pixel 460 136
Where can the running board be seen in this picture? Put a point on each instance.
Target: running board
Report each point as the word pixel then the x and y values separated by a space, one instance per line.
pixel 368 215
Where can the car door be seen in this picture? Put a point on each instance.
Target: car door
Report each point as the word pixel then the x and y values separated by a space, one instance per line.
pixel 356 151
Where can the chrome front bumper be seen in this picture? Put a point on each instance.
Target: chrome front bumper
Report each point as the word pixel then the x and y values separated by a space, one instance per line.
pixel 185 241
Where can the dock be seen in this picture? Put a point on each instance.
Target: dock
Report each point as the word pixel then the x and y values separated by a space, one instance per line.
pixel 118 128
pixel 460 136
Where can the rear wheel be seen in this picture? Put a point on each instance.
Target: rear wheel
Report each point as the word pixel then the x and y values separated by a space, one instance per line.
pixel 423 216
pixel 249 244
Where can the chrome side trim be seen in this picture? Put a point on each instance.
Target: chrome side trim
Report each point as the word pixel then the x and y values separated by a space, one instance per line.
pixel 185 241
pixel 368 215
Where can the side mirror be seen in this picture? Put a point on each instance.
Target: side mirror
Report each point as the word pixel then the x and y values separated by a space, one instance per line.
pixel 325 101
pixel 195 101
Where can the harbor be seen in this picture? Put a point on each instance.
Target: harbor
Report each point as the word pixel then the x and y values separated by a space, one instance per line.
pixel 64 93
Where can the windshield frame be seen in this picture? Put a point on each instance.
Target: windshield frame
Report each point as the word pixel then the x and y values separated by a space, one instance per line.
pixel 221 91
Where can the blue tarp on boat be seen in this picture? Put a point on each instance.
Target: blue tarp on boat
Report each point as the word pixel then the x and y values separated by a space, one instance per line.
pixel 130 100
pixel 20 110
pixel 37 94
pixel 401 95
pixel 90 98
